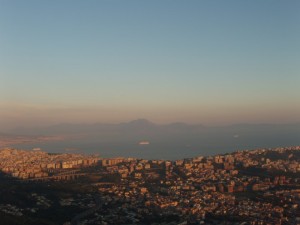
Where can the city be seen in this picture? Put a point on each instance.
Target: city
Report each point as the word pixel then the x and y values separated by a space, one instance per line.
pixel 221 189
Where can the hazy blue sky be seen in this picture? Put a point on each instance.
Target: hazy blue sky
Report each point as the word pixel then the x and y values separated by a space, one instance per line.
pixel 207 62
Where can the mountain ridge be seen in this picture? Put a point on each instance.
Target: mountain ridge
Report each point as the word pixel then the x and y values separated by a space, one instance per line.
pixel 135 125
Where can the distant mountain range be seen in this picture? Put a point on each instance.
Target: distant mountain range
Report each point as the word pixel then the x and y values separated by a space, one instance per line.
pixel 145 130
pixel 132 126
pixel 143 125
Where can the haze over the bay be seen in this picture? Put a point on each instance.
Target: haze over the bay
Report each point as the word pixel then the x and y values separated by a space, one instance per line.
pixel 199 62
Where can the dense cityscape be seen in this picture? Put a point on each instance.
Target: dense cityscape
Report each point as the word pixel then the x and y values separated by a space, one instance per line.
pixel 259 186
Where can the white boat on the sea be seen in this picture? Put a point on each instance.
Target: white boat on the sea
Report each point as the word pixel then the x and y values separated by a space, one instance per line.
pixel 144 143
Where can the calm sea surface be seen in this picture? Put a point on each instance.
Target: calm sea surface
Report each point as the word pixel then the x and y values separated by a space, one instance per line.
pixel 172 147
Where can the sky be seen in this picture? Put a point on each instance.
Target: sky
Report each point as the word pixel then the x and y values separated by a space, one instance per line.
pixel 208 62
